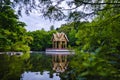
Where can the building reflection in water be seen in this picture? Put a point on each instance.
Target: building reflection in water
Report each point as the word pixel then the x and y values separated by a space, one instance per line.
pixel 59 52
pixel 59 62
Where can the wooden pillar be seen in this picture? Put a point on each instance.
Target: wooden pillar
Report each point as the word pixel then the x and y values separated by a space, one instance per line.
pixel 53 45
pixel 65 58
pixel 56 44
pixel 65 44
pixel 60 57
pixel 53 60
pixel 55 56
pixel 60 44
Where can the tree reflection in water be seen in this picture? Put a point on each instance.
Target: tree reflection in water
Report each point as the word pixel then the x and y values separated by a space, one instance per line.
pixel 16 68
pixel 41 68
pixel 11 67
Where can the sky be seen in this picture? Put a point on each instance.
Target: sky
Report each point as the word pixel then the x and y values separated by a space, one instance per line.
pixel 35 21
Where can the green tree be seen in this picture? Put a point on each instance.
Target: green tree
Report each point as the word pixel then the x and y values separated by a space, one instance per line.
pixel 53 9
pixel 12 32
pixel 98 50
pixel 52 27
pixel 70 29
pixel 41 40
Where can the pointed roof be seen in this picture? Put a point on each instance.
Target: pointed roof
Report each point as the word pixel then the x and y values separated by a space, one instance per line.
pixel 59 36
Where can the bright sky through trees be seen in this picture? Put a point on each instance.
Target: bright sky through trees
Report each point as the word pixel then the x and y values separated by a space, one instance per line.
pixel 36 22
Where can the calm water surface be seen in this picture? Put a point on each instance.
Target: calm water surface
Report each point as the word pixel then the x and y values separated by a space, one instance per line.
pixel 37 67
pixel 38 76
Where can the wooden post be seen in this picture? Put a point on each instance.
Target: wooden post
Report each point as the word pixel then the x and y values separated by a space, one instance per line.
pixel 60 44
pixel 53 44
pixel 65 58
pixel 60 57
pixel 65 44
pixel 52 58
pixel 55 58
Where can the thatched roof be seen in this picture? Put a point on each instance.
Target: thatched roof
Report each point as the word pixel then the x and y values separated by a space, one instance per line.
pixel 59 37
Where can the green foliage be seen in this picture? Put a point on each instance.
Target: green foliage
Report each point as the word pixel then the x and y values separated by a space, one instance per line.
pixel 41 62
pixel 54 9
pixel 41 40
pixel 98 55
pixel 12 32
pixel 70 30
pixel 19 46
pixel 97 42
pixel 52 28
pixel 98 50
pixel 11 67
pixel 92 66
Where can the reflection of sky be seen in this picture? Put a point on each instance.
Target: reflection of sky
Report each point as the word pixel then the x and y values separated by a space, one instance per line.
pixel 38 76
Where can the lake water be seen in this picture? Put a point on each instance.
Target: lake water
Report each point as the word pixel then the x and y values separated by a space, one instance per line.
pixel 37 67
pixel 38 76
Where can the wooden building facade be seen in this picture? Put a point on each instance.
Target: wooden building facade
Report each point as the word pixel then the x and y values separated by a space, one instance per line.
pixel 59 40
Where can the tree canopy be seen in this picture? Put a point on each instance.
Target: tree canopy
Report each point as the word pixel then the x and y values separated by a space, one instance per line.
pixel 97 43
pixel 73 10
pixel 12 32
pixel 41 40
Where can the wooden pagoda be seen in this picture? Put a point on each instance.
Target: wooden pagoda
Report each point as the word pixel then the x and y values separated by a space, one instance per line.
pixel 59 40
pixel 59 52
